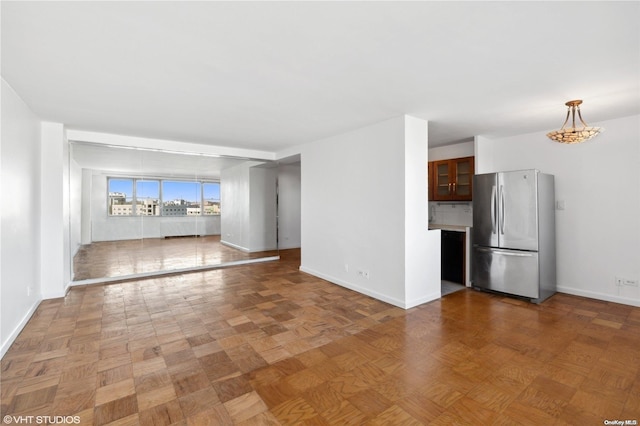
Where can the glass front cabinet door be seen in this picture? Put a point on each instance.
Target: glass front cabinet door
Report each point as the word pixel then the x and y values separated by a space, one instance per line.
pixel 453 179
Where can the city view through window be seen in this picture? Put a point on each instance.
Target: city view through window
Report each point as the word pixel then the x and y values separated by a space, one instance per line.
pixel 159 197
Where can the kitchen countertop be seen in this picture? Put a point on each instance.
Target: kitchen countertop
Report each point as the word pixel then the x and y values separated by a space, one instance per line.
pixel 457 228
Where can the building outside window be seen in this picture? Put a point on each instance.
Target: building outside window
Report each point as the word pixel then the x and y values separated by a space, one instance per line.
pixel 211 198
pixel 120 197
pixel 181 198
pixel 148 197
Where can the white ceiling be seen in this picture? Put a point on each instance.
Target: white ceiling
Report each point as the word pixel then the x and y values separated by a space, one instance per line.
pixel 270 75
pixel 119 160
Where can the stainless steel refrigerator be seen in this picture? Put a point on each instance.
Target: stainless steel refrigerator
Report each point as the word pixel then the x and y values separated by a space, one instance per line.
pixel 514 234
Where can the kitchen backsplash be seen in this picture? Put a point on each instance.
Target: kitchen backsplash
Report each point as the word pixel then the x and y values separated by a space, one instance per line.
pixel 460 214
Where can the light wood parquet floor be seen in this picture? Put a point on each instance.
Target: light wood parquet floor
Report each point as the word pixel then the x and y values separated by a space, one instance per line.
pixel 266 344
pixel 127 257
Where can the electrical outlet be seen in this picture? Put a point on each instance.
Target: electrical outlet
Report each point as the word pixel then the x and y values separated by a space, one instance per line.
pixel 363 273
pixel 620 281
pixel 346 267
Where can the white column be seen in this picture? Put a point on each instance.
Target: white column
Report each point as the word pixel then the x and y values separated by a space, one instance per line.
pixel 54 211
pixel 422 263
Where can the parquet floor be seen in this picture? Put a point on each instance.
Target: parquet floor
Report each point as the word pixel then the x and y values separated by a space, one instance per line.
pixel 127 257
pixel 266 344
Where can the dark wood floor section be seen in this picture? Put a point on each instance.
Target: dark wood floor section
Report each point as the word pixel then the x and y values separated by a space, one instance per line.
pixel 267 344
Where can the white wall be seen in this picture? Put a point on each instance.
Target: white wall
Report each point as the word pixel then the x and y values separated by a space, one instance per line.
pixel 263 209
pixel 75 206
pixel 248 205
pixel 463 149
pixel 289 206
pixel 20 224
pixel 234 204
pixel 65 240
pixel 598 232
pixel 354 211
pixel 85 211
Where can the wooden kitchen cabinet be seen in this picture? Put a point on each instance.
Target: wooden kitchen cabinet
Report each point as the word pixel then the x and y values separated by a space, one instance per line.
pixel 452 179
pixel 430 181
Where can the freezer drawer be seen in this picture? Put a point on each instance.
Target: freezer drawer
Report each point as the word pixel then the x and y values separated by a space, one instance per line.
pixel 508 271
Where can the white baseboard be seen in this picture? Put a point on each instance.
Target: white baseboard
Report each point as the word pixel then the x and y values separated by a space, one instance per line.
pixel 246 250
pixel 424 299
pixel 354 287
pixel 288 246
pixel 54 295
pixel 259 249
pixel 12 337
pixel 598 296
pixel 379 296
pixel 235 246
pixel 57 294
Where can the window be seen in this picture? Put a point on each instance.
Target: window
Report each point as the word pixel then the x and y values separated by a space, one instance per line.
pixel 148 197
pixel 155 197
pixel 120 197
pixel 180 198
pixel 211 198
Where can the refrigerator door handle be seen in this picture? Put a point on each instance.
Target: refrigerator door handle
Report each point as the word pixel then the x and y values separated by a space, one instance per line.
pixel 493 209
pixel 501 210
pixel 505 253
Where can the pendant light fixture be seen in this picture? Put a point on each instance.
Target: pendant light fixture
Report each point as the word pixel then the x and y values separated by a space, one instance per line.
pixel 572 134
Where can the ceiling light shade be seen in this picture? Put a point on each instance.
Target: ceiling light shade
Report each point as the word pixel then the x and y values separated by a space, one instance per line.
pixel 571 134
